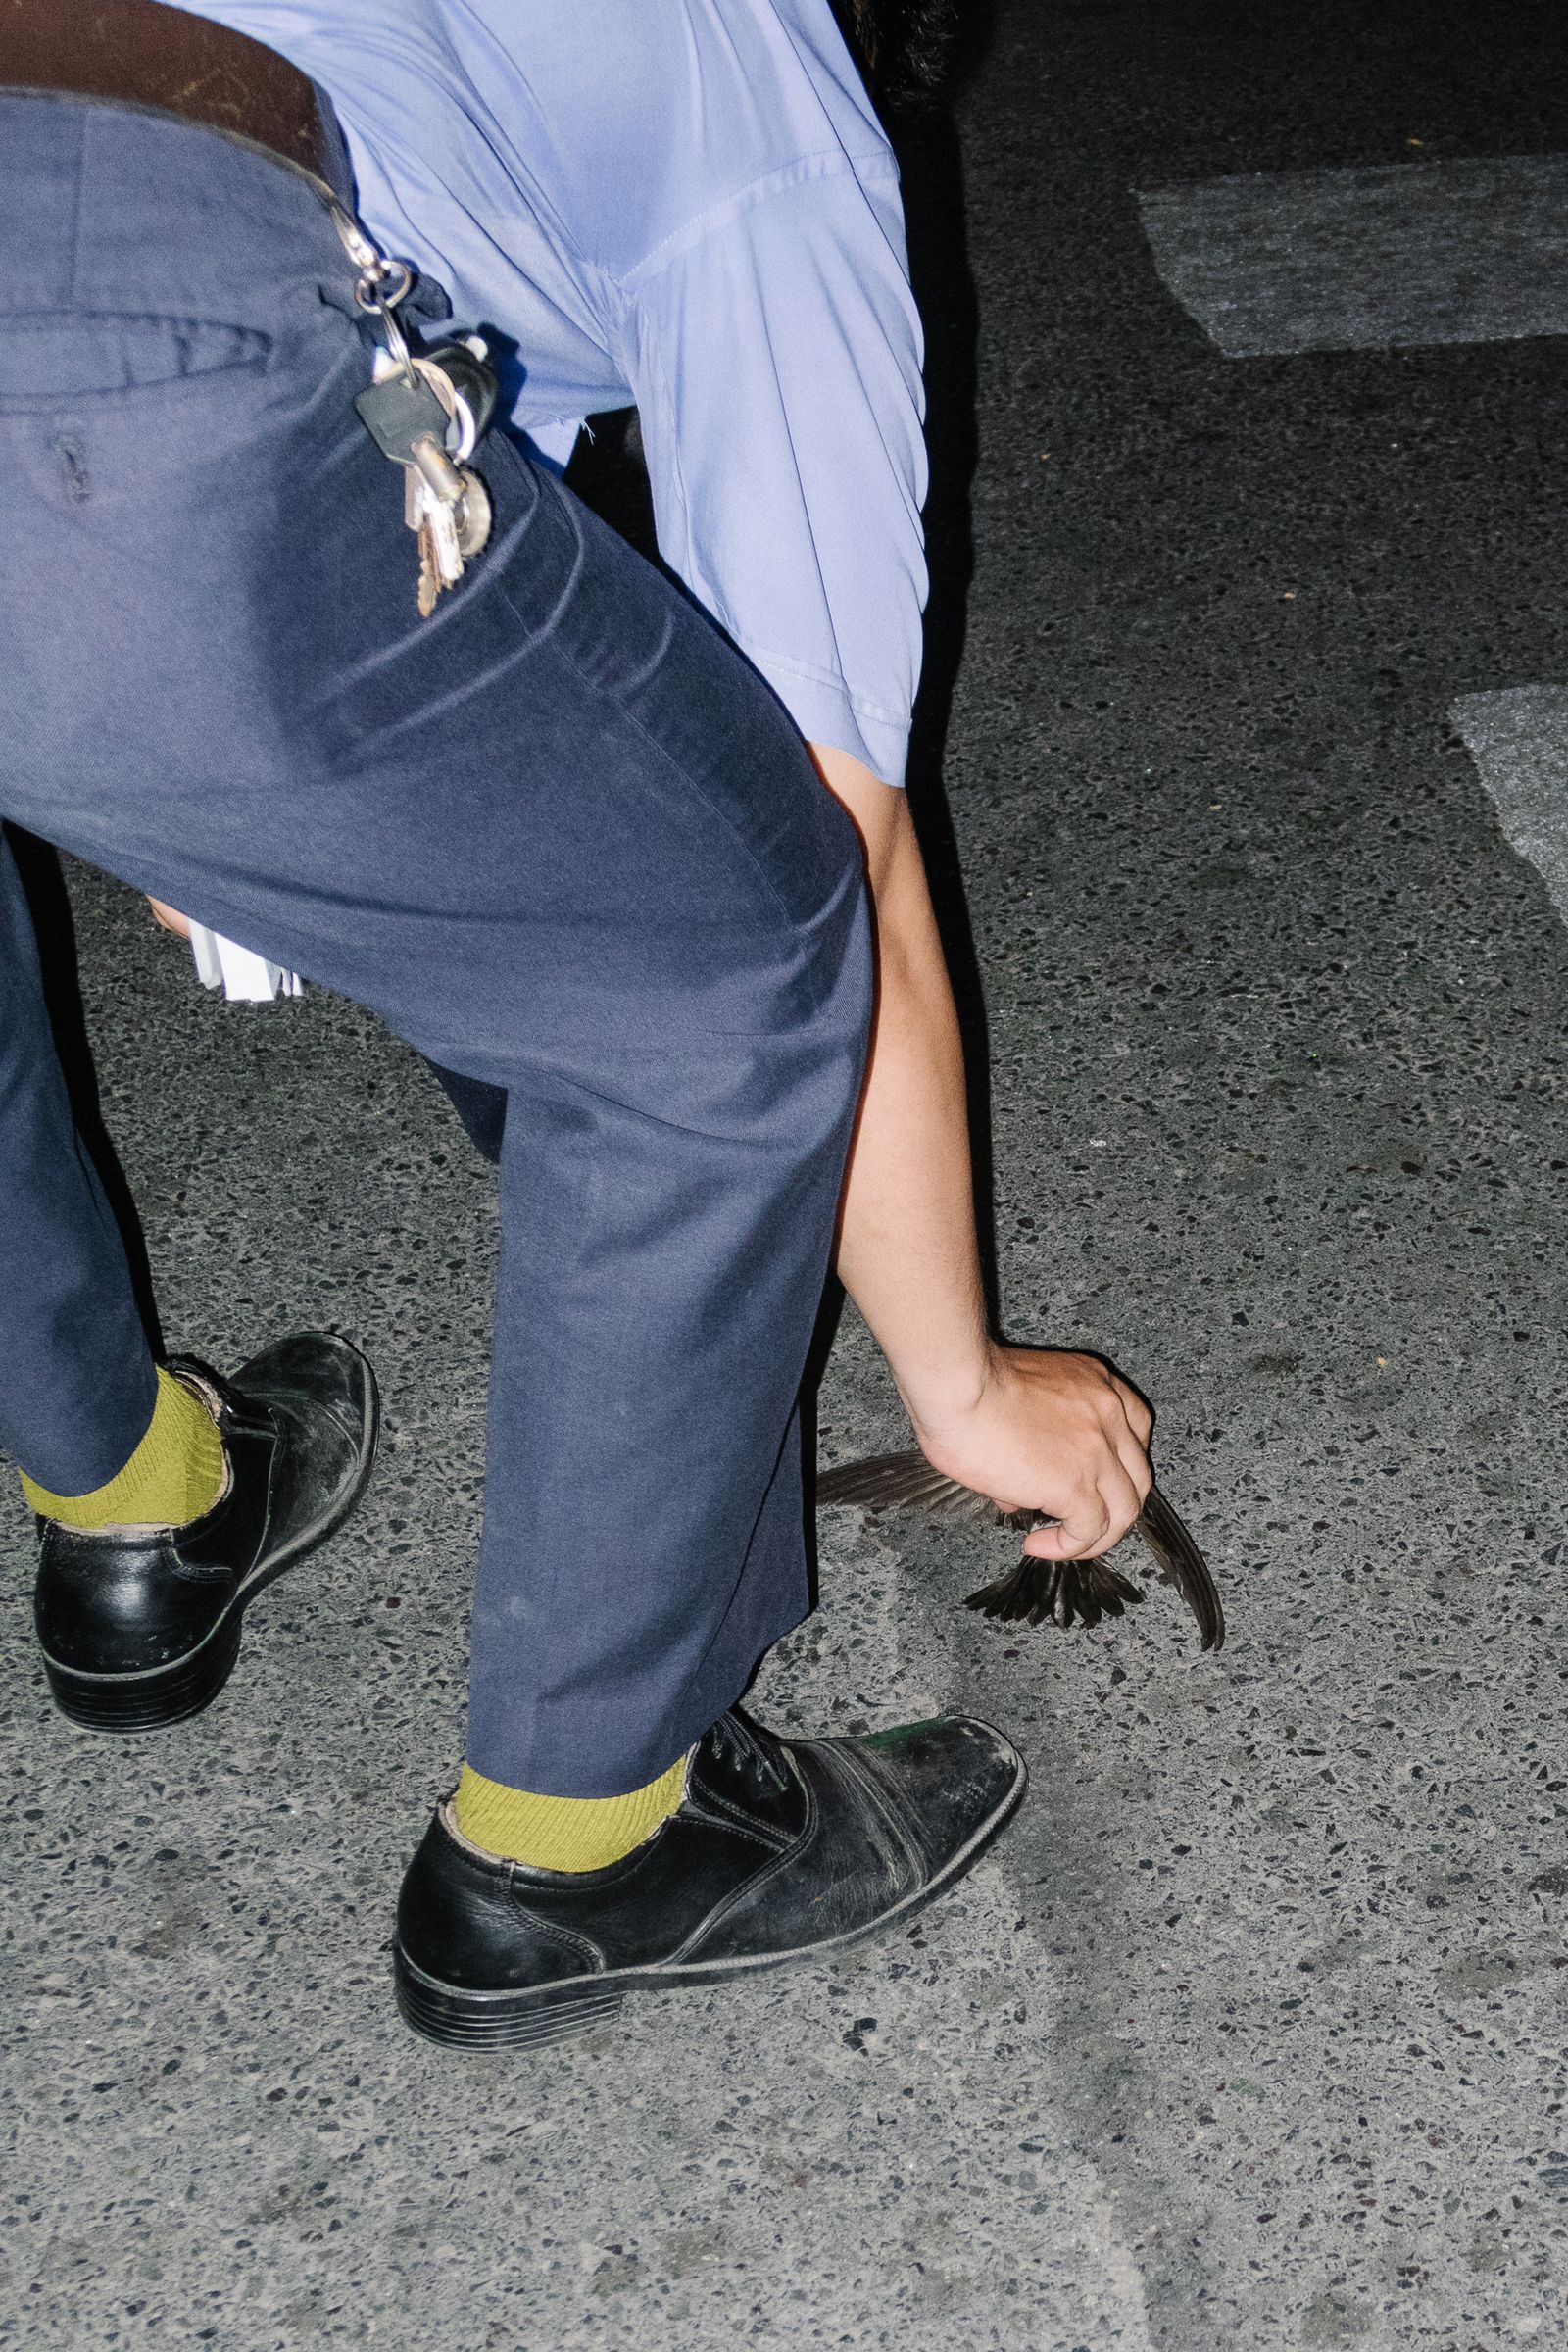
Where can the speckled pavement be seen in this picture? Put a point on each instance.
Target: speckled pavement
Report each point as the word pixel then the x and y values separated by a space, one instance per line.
pixel 1473 250
pixel 1518 738
pixel 1249 2035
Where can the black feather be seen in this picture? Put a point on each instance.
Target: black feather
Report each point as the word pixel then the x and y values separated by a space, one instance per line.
pixel 1061 1590
pixel 1064 1591
pixel 1181 1563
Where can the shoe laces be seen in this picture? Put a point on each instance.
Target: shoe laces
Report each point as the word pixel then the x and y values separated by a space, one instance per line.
pixel 734 1736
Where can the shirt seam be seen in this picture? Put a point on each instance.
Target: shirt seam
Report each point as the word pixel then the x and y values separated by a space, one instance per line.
pixel 698 580
pixel 808 673
pixel 694 574
pixel 825 163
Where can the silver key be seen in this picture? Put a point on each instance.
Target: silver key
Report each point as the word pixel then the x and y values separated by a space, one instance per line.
pixel 460 485
pixel 445 504
pixel 440 551
pixel 414 497
pixel 442 517
pixel 449 508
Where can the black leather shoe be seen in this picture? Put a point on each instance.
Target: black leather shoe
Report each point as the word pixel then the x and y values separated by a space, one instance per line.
pixel 780 1851
pixel 143 1629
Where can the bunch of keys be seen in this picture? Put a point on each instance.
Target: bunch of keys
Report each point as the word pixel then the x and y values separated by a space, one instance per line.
pixel 426 411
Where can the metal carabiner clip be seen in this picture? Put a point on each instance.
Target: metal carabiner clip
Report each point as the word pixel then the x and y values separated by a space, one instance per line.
pixel 382 284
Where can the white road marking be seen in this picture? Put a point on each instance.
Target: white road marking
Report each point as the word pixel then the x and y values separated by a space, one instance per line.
pixel 1518 739
pixel 1473 251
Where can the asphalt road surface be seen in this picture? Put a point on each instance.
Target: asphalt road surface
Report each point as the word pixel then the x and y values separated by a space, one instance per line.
pixel 1250 410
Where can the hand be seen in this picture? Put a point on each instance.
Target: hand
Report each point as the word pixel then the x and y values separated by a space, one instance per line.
pixel 169 918
pixel 1050 1432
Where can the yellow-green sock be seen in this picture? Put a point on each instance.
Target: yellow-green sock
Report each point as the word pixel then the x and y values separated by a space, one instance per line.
pixel 175 1474
pixel 562 1832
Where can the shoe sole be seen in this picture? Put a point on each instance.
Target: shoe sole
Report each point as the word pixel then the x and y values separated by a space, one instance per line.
pixel 154 1696
pixel 459 2019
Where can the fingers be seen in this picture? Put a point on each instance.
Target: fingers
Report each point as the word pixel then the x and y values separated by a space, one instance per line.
pixel 169 918
pixel 1140 1419
pixel 1138 1472
pixel 1111 1506
pixel 1132 1444
pixel 1100 1517
pixel 1053 1431
pixel 1135 1466
pixel 1063 1542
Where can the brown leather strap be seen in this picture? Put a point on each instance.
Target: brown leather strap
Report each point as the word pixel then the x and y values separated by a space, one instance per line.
pixel 139 51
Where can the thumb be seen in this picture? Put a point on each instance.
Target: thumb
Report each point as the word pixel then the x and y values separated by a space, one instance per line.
pixel 1075 1538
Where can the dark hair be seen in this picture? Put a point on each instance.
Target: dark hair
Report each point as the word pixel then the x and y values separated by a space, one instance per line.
pixel 903 47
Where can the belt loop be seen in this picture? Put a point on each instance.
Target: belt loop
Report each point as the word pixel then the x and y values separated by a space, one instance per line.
pixel 336 168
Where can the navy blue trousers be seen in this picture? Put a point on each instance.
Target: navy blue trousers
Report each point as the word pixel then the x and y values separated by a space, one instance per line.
pixel 558 836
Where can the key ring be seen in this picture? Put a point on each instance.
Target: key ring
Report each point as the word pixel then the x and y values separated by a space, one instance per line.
pixel 382 284
pixel 459 415
pixel 372 297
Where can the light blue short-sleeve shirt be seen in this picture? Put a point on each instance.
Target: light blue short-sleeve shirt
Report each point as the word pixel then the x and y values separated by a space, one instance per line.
pixel 688 205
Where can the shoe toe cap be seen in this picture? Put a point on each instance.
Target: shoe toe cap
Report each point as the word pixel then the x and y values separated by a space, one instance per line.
pixel 319 1396
pixel 953 1778
pixel 315 1368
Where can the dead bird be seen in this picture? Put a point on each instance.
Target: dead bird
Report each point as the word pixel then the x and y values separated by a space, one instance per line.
pixel 1064 1591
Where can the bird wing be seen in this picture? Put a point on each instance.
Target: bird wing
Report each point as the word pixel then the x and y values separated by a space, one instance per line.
pixel 1085 1589
pixel 1066 1591
pixel 1182 1564
pixel 892 1481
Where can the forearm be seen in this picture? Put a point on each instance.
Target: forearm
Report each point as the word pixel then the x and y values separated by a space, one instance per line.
pixel 1036 1429
pixel 907 1253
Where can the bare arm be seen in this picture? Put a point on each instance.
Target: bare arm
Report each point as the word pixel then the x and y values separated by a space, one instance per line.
pixel 1030 1426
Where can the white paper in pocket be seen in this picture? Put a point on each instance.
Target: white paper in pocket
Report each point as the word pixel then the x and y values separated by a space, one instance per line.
pixel 244 977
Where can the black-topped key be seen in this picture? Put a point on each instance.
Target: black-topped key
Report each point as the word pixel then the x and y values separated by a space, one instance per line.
pixel 396 413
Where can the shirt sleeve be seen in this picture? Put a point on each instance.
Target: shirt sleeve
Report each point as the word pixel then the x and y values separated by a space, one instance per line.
pixel 775 357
